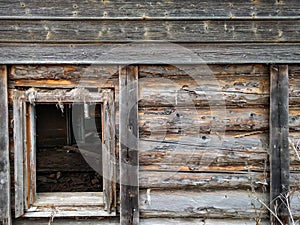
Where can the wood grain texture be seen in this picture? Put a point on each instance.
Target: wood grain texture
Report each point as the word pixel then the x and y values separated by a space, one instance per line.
pixel 148 53
pixel 203 180
pixel 129 146
pixel 19 145
pixel 5 216
pixel 76 31
pixel 194 120
pixel 147 10
pixel 143 221
pixel 109 152
pixel 279 143
pixel 193 203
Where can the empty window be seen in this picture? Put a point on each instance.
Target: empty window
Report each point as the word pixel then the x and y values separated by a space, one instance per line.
pixel 64 153
pixel 61 165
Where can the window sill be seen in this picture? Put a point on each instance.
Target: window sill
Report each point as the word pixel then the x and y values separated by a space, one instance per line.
pixel 68 204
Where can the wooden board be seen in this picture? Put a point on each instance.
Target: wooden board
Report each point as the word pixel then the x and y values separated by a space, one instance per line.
pixel 279 143
pixel 5 217
pixel 129 146
pixel 194 203
pixel 205 180
pixel 19 159
pixel 75 31
pixel 146 221
pixel 149 53
pixel 187 120
pixel 149 10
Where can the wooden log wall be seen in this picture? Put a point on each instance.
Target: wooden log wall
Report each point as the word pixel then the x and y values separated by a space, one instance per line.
pixel 174 154
pixel 182 159
pixel 179 150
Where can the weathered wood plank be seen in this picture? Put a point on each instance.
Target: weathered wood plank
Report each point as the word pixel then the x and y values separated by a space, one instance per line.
pixel 19 143
pixel 211 168
pixel 65 221
pixel 5 216
pixel 73 72
pixel 194 120
pixel 74 31
pixel 67 211
pixel 79 94
pixel 203 181
pixel 146 221
pixel 216 204
pixel 69 199
pixel 147 10
pixel 148 53
pixel 65 72
pixel 109 152
pixel 129 146
pixel 279 143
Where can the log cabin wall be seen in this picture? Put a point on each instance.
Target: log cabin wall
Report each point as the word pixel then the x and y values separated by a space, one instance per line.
pixel 201 160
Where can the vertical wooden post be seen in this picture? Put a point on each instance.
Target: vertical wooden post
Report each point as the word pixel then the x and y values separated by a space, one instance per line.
pixel 279 143
pixel 129 189
pixel 5 217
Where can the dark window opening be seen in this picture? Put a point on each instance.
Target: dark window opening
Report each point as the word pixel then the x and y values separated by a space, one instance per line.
pixel 68 147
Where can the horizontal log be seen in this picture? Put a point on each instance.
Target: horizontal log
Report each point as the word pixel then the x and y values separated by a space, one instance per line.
pixel 201 221
pixel 148 53
pixel 195 120
pixel 206 150
pixel 74 31
pixel 62 72
pixel 216 118
pixel 204 91
pixel 218 70
pixel 235 141
pixel 146 10
pixel 202 168
pixel 217 204
pixel 143 221
pixel 72 72
pixel 203 181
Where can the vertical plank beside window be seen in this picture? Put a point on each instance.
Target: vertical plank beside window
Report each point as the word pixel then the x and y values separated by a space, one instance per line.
pixel 129 188
pixel 279 144
pixel 32 152
pixel 5 218
pixel 18 111
pixel 108 152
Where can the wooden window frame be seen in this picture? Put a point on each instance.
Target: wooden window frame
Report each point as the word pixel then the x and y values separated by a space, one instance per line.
pixel 29 203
